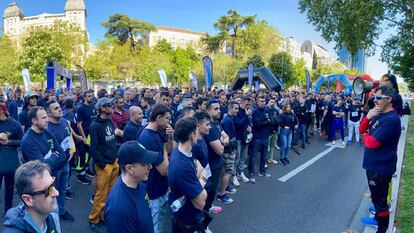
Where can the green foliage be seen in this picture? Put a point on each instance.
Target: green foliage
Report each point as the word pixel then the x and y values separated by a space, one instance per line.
pixel 213 44
pixel 334 68
pixel 353 24
pixel 229 26
pixel 299 71
pixel 256 60
pixel 129 30
pixel 63 43
pixel 9 72
pixel 225 69
pixel 281 65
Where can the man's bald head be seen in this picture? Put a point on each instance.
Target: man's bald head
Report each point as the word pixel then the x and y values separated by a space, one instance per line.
pixel 135 114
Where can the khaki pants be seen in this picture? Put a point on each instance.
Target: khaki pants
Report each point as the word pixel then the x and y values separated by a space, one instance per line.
pixel 105 179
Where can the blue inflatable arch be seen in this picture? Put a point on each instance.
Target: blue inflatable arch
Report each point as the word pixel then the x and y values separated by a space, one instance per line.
pixel 332 79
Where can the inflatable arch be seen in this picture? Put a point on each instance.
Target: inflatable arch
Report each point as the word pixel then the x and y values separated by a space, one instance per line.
pixel 332 78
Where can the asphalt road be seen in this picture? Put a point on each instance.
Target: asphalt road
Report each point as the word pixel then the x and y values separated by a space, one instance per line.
pixel 323 198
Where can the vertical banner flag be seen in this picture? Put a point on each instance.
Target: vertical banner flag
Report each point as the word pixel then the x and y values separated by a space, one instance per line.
pixel 163 78
pixel 338 86
pixel 281 82
pixel 82 78
pixel 250 71
pixel 308 80
pixel 257 85
pixel 300 85
pixel 193 79
pixel 26 79
pixel 208 71
pixel 329 84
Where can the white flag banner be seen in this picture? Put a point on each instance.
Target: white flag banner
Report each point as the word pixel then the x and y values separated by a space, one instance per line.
pixel 163 77
pixel 26 79
pixel 193 79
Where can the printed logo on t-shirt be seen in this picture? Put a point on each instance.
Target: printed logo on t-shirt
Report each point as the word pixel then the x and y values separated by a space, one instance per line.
pixel 148 200
pixel 50 142
pixel 109 134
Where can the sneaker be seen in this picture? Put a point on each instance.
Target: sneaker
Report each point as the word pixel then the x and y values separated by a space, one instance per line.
pixel 282 161
pixel 371 209
pixel 230 190
pixel 252 180
pixel 67 217
pixel 320 134
pixel 272 161
pixel 243 178
pixel 225 199
pixel 369 221
pixel 90 174
pixel 83 180
pixel 69 195
pixel 91 199
pixel 343 143
pixel 266 174
pixel 234 181
pixel 303 146
pixel 287 161
pixel 359 144
pixel 333 142
pixel 95 228
pixel 277 147
pixel 215 209
pixel 207 230
pixel 348 143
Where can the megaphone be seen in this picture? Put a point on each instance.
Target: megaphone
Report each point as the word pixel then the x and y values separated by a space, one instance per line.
pixel 361 86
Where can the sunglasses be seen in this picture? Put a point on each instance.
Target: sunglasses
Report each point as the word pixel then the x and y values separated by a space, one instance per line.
pixel 380 97
pixel 107 105
pixel 47 191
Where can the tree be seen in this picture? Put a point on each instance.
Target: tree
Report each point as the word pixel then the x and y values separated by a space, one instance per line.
pixel 126 29
pixel 299 72
pixel 9 72
pixel 213 44
pixel 352 24
pixel 37 49
pixel 256 60
pixel 225 69
pixel 229 25
pixel 281 66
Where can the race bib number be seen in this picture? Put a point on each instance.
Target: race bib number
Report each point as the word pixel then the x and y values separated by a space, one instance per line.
pixel 313 107
pixel 48 154
pixel 66 143
pixel 208 171
pixel 354 114
pixel 19 110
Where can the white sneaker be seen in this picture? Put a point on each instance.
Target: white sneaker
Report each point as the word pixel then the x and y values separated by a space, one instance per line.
pixel 243 178
pixel 278 148
pixel 235 181
pixel 208 230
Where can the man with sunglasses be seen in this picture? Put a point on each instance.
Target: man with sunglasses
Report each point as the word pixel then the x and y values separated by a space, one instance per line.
pixel 380 155
pixel 35 187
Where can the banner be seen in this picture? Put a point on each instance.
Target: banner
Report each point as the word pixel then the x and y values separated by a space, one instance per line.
pixel 193 79
pixel 308 80
pixel 329 85
pixel 338 86
pixel 281 81
pixel 82 78
pixel 208 71
pixel 163 77
pixel 257 85
pixel 250 71
pixel 300 85
pixel 26 79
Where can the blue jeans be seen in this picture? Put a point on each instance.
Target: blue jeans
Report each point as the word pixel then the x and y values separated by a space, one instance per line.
pixel 161 214
pixel 259 145
pixel 62 176
pixel 301 130
pixel 285 141
pixel 338 124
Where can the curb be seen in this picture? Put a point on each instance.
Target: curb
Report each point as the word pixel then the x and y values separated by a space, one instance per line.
pixel 395 180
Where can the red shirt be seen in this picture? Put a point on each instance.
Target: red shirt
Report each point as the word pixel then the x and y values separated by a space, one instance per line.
pixel 120 119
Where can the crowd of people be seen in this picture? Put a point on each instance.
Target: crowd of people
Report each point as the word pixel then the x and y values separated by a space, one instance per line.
pixel 155 159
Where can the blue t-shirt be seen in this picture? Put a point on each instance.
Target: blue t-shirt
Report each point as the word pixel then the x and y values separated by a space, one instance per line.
pixel 62 133
pixel 200 152
pixel 337 109
pixel 355 112
pixel 131 131
pixel 85 114
pixel 157 184
pixel 385 128
pixel 182 179
pixel 214 134
pixel 128 210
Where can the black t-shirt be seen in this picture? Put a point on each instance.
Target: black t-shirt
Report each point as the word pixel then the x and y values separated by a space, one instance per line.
pixel 85 114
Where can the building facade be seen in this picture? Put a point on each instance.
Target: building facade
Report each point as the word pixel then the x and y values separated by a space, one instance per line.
pixel 178 38
pixel 324 57
pixel 17 25
pixel 359 62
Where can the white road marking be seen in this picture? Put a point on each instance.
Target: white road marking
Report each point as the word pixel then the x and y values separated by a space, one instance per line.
pixel 305 165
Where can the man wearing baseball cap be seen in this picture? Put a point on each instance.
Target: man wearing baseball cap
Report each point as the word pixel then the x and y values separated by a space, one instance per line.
pixel 128 207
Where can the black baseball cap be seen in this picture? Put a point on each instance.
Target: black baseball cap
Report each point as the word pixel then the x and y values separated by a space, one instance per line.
pixel 133 152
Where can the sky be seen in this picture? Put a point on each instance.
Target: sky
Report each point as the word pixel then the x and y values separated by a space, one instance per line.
pixel 197 16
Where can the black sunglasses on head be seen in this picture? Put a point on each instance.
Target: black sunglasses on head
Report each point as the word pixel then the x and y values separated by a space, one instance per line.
pixel 47 191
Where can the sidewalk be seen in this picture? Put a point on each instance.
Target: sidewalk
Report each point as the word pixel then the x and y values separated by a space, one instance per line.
pixel 395 180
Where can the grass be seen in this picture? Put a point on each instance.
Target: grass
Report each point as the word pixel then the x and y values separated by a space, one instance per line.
pixel 405 211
